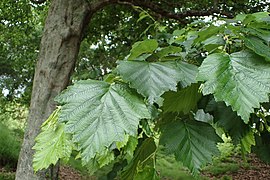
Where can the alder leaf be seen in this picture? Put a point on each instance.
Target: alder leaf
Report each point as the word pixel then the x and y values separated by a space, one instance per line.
pixel 100 160
pixel 258 47
pixel 152 79
pixel 183 100
pixel 204 117
pixel 141 47
pixel 241 80
pixel 207 33
pixel 247 141
pixel 98 114
pixel 192 142
pixel 166 52
pixel 229 121
pixel 51 144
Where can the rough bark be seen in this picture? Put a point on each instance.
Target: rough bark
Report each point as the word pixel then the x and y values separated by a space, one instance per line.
pixel 58 52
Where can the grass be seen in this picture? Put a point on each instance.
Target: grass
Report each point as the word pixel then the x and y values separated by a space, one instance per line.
pixel 7 176
pixel 9 147
pixel 222 168
pixel 9 152
pixel 169 168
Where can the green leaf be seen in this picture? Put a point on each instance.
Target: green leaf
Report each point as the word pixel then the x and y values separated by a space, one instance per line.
pixel 167 51
pixel 247 141
pixel 141 47
pixel 105 157
pixel 143 162
pixel 178 32
pixel 229 121
pixel 241 80
pixel 240 17
pixel 259 16
pixel 152 79
pixel 143 15
pixel 51 144
pixel 213 43
pixel 98 114
pixel 207 33
pixel 261 33
pixel 100 160
pixel 192 142
pixel 130 148
pixel 121 144
pixel 183 100
pixel 203 117
pixel 258 47
pixel 262 147
pixel 148 172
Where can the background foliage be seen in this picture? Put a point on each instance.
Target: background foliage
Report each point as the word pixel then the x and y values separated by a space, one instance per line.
pixel 183 76
pixel 231 72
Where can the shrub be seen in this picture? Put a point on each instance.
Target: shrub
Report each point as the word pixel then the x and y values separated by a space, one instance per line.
pixel 9 147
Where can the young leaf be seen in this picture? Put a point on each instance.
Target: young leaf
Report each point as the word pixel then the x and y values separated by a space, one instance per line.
pixel 51 144
pixel 247 141
pixel 98 114
pixel 101 159
pixel 241 80
pixel 152 79
pixel 192 142
pixel 183 100
pixel 130 148
pixel 141 47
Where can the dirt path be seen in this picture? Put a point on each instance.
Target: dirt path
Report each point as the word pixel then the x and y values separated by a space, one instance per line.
pixel 257 170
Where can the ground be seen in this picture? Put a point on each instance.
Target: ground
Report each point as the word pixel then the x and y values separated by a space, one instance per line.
pixel 255 169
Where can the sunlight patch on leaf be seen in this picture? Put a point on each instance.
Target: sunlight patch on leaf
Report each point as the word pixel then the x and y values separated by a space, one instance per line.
pixel 247 141
pixel 51 144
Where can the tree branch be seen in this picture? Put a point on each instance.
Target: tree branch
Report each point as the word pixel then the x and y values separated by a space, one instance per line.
pixel 177 16
pixel 99 4
pixel 38 1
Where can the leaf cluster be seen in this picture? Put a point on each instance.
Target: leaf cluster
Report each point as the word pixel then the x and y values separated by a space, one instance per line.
pixel 179 90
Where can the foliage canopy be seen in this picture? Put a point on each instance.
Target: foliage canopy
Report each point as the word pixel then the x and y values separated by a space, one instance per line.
pixel 172 92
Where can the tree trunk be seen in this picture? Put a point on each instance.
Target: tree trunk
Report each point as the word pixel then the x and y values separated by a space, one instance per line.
pixel 58 52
